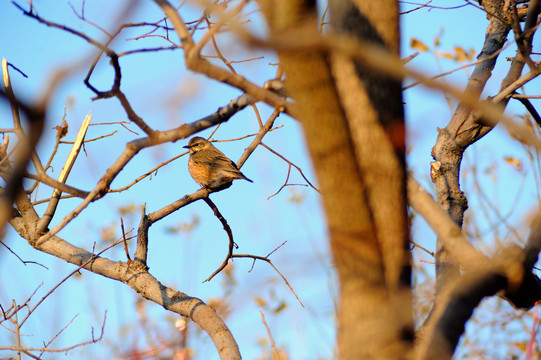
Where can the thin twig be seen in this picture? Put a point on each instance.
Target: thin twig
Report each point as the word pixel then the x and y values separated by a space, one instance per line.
pixel 148 173
pixel 415 245
pixel 59 350
pixel 54 337
pixel 17 329
pixel 42 201
pixel 25 262
pixel 266 259
pixel 91 259
pixel 91 140
pixel 284 184
pixel 273 345
pixel 291 164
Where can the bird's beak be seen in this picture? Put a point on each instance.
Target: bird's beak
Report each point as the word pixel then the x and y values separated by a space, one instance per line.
pixel 186 147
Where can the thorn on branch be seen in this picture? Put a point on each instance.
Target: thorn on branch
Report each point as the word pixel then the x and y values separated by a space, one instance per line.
pixel 141 251
pixel 124 240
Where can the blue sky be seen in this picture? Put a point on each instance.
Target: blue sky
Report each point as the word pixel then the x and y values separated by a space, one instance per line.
pixel 165 95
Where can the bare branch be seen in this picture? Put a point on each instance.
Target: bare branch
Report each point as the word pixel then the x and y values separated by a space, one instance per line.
pixel 135 276
pixel 132 148
pixel 291 164
pixel 26 151
pixel 44 349
pixel 509 271
pixel 70 161
pixel 273 345
pixel 115 89
pixel 25 262
pixel 43 178
pixel 447 230
pixel 195 63
pixel 267 260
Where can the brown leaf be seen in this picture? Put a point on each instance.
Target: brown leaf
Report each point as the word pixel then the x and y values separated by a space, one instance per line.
pixel 513 162
pixel 418 45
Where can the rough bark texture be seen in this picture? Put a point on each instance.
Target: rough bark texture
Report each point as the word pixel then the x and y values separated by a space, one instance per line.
pixel 457 295
pixel 463 130
pixel 357 149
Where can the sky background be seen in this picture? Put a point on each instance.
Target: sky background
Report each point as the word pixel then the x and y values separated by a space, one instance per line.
pixel 165 95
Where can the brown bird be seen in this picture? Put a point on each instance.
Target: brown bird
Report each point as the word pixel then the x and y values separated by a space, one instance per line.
pixel 209 167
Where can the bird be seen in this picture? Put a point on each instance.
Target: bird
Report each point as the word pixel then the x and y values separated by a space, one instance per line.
pixel 209 167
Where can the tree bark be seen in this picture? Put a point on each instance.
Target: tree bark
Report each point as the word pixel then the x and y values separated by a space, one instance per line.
pixel 354 130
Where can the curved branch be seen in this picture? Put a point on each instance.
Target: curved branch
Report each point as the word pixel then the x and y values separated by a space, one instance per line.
pixel 448 232
pixel 198 64
pixel 447 321
pixel 510 271
pixel 115 88
pixel 135 276
pixel 229 232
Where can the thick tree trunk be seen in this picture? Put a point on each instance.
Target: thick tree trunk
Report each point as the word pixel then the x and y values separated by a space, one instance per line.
pixel 354 129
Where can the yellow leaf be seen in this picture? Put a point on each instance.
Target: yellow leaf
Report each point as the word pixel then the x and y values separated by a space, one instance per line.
pixel 260 301
pixel 418 45
pixel 471 54
pixel 280 307
pixel 437 39
pixel 513 162
pixel 447 55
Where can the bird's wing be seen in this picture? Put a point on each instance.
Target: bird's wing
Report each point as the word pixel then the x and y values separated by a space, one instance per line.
pixel 220 162
pixel 224 163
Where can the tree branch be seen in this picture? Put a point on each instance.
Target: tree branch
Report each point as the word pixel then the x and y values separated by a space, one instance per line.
pixel 509 271
pixel 195 63
pixel 135 276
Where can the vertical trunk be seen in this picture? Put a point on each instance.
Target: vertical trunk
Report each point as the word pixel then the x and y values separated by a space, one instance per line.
pixel 353 123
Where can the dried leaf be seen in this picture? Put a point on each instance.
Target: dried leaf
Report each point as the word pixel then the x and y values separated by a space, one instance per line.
pixel 62 130
pixel 128 209
pixel 513 162
pixel 447 55
pixel 418 45
pixel 280 307
pixel 260 301
pixel 462 55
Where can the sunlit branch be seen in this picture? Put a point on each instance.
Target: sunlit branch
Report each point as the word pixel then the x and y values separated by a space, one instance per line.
pixel 133 147
pixel 273 345
pixel 70 161
pixel 195 63
pixel 47 180
pixel 446 229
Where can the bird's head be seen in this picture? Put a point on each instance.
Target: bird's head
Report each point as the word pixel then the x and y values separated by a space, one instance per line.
pixel 197 144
